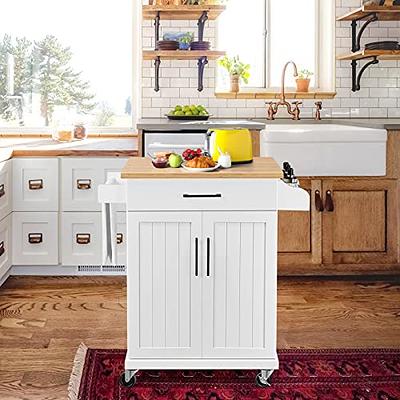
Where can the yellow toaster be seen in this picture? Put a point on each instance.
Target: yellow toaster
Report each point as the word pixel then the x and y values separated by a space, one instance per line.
pixel 236 142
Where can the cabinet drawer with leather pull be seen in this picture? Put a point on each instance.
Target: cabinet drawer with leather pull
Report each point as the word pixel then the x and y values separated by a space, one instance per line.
pixel 81 178
pixel 5 192
pixel 35 238
pixel 35 184
pixel 5 245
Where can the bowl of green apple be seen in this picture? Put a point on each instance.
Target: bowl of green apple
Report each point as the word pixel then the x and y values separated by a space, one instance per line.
pixel 189 113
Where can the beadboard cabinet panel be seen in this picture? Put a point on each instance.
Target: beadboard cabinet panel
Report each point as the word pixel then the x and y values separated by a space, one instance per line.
pixel 165 292
pixel 238 321
pixel 35 184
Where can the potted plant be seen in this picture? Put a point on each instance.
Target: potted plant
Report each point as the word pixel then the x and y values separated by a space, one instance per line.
pixel 185 40
pixel 303 80
pixel 237 71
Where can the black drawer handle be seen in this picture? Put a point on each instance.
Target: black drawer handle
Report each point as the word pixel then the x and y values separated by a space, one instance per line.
pixel 202 196
pixel 329 205
pixel 2 248
pixel 35 184
pixel 196 256
pixel 35 238
pixel 83 238
pixel 2 190
pixel 208 256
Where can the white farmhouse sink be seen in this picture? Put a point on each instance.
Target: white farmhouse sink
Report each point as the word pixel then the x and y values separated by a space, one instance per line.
pixel 327 150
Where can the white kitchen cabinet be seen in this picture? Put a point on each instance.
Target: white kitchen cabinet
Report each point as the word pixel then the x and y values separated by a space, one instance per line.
pixel 35 238
pixel 164 320
pixel 35 184
pixel 5 245
pixel 80 179
pixel 5 189
pixel 239 285
pixel 81 238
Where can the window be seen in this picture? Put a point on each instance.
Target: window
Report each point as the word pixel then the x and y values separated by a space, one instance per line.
pixel 268 33
pixel 66 60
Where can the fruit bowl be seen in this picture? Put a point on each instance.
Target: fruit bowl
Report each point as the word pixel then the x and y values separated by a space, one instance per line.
pixel 188 117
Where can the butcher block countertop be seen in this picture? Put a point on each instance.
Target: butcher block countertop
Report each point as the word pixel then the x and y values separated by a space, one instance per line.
pixel 261 168
pixel 46 147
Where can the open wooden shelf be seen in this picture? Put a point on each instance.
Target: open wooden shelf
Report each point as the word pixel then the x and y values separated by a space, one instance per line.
pixel 383 13
pixel 182 54
pixel 182 12
pixel 379 54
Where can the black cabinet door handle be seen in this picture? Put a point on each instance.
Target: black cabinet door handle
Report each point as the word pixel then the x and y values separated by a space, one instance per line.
pixel 319 205
pixel 329 205
pixel 202 196
pixel 208 256
pixel 196 257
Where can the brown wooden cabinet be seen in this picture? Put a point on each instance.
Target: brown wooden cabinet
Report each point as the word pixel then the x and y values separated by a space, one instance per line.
pixel 353 229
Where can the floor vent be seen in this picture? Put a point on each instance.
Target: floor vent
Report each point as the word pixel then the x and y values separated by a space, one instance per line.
pixel 101 269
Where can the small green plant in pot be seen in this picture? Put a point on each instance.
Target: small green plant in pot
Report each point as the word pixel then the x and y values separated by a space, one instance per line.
pixel 237 71
pixel 303 80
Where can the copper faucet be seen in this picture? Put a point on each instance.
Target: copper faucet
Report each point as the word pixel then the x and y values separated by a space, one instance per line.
pixel 318 109
pixel 274 106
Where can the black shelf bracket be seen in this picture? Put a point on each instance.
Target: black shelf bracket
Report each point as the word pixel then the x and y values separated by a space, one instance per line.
pixel 356 78
pixel 157 63
pixel 356 37
pixel 201 24
pixel 157 28
pixel 203 61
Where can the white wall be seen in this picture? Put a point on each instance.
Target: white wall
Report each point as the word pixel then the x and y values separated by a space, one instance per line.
pixel 379 95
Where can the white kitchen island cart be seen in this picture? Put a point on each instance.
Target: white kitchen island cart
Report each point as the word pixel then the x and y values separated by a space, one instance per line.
pixel 202 266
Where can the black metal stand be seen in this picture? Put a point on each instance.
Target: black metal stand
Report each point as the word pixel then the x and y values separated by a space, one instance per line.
pixel 201 24
pixel 356 78
pixel 203 61
pixel 356 46
pixel 157 28
pixel 356 38
pixel 157 63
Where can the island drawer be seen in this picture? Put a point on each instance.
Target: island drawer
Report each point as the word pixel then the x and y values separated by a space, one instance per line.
pixel 202 194
pixel 5 245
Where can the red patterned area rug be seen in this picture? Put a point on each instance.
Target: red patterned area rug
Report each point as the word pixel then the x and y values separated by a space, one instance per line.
pixel 303 375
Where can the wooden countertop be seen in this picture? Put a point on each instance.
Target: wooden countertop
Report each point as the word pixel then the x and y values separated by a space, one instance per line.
pixel 261 168
pixel 46 147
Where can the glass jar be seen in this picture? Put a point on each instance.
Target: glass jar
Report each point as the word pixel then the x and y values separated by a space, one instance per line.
pixel 80 131
pixel 63 133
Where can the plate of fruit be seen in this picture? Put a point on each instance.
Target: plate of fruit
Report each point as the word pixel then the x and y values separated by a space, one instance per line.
pixel 189 113
pixel 198 161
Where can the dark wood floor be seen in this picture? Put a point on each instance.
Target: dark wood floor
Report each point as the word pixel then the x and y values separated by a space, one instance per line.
pixel 43 320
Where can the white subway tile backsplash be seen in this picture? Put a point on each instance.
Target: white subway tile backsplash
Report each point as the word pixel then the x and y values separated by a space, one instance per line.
pixel 379 96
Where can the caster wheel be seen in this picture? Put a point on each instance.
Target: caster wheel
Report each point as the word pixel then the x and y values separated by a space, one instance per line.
pixel 128 384
pixel 261 382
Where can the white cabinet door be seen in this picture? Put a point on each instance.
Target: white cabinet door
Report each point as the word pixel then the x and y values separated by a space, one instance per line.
pixel 164 285
pixel 239 284
pixel 35 238
pixel 5 189
pixel 35 184
pixel 5 245
pixel 81 238
pixel 80 179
